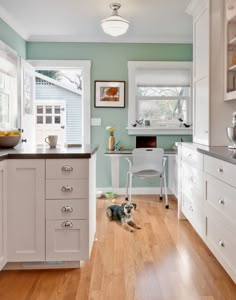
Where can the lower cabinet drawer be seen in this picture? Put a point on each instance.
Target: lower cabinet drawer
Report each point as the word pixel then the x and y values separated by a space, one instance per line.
pixel 222 197
pixel 194 214
pixel 67 209
pixel 66 189
pixel 67 240
pixel 222 243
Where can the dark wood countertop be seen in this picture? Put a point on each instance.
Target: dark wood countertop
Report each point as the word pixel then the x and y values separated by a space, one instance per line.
pixel 31 152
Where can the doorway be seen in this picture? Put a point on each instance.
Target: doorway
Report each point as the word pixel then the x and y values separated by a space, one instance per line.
pixel 51 113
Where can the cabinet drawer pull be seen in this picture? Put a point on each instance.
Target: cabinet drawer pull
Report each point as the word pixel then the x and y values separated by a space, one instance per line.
pixel 67 188
pixel 190 156
pixel 67 224
pixel 221 201
pixel 220 169
pixel 67 208
pixel 191 208
pixel 67 168
pixel 221 243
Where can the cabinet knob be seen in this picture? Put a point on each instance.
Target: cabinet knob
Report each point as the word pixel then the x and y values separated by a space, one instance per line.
pixel 221 201
pixel 191 208
pixel 221 243
pixel 67 224
pixel 67 208
pixel 67 188
pixel 67 168
pixel 220 169
pixel 190 156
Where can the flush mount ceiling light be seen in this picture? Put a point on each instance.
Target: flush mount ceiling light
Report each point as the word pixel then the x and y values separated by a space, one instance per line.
pixel 115 25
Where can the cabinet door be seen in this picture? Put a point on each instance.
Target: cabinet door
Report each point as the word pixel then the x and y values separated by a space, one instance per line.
pixel 67 240
pixel 3 214
pixel 201 111
pixel 201 44
pixel 26 210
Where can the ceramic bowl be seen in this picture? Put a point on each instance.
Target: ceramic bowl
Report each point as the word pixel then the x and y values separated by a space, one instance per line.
pixel 110 195
pixel 9 141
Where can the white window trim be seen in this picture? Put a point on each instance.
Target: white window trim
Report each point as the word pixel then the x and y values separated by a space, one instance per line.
pixel 133 67
pixel 73 64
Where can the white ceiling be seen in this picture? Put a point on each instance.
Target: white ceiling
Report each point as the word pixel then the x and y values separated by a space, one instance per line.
pixel 79 20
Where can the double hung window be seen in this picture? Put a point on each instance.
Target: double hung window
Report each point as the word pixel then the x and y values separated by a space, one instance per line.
pixel 159 96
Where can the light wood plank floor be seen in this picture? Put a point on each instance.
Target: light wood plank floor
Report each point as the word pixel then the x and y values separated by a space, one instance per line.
pixel 165 260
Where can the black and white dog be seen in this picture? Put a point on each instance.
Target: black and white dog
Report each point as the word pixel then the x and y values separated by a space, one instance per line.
pixel 123 214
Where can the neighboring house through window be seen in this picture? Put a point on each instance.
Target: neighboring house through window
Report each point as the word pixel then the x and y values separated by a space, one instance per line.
pixel 63 101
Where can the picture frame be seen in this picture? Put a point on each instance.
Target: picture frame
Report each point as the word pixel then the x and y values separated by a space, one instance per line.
pixel 110 94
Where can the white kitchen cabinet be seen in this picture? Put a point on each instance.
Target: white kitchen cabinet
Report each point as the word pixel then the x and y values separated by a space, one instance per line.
pixel 211 114
pixel 3 214
pixel 230 50
pixel 70 209
pixel 191 198
pixel 67 240
pixel 219 211
pixel 26 210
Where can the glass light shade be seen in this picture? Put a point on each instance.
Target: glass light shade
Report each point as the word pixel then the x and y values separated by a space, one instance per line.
pixel 115 25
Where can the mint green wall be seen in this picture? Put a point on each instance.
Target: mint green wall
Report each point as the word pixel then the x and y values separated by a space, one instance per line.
pixel 109 62
pixel 12 39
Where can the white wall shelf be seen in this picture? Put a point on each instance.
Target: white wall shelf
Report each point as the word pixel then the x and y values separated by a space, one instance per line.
pixel 232 68
pixel 233 41
pixel 158 131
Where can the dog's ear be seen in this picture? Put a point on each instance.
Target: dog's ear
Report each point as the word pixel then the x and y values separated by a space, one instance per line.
pixel 123 204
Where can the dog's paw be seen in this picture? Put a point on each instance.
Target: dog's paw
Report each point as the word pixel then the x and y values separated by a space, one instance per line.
pixel 131 230
pixel 138 227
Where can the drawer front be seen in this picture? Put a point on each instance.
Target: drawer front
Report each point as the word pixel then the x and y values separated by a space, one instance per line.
pixel 64 209
pixel 67 240
pixel 192 157
pixel 221 240
pixel 222 197
pixel 193 213
pixel 192 183
pixel 67 189
pixel 220 169
pixel 67 168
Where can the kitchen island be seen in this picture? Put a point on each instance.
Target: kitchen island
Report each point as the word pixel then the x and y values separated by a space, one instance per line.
pixel 48 198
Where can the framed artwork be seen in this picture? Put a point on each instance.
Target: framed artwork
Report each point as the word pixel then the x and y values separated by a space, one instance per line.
pixel 109 93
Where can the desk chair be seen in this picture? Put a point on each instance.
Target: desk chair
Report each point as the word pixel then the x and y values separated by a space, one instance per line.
pixel 147 163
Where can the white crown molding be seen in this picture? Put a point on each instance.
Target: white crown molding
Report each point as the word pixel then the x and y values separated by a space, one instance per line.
pixel 107 39
pixel 13 23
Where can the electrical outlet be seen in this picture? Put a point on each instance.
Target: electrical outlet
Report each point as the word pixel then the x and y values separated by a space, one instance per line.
pixel 96 121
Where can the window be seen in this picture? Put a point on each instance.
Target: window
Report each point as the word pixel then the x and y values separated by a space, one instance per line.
pixel 159 97
pixel 8 87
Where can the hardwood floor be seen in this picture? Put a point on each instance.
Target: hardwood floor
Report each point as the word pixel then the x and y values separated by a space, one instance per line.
pixel 165 260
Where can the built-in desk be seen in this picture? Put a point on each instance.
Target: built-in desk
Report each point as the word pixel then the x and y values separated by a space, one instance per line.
pixel 115 167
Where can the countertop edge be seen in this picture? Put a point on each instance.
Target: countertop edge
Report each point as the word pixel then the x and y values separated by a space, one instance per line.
pixel 7 154
pixel 217 155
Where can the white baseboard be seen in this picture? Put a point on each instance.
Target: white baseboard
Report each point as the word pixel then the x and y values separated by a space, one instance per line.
pixel 135 191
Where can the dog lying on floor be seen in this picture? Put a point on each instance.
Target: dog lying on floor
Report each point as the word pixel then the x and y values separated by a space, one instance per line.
pixel 123 214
